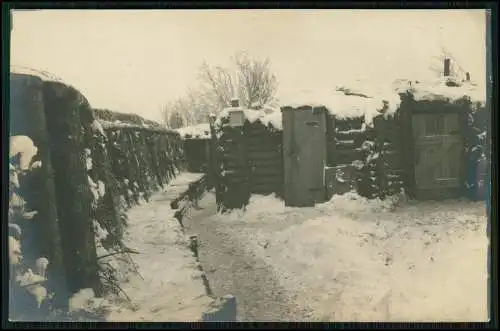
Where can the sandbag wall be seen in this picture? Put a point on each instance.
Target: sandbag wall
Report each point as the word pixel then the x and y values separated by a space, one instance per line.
pixel 32 212
pixel 102 168
pixel 126 163
pixel 68 112
pixel 251 162
pixel 86 174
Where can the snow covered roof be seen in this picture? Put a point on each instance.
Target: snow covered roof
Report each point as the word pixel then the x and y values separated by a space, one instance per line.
pixel 345 102
pixel 369 100
pixel 268 115
pixel 445 89
pixel 199 131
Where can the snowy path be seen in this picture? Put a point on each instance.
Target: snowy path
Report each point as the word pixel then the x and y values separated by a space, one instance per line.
pixel 233 270
pixel 169 287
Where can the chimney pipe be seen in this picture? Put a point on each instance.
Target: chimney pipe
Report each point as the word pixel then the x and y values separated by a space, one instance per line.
pixel 235 103
pixel 446 67
pixel 467 76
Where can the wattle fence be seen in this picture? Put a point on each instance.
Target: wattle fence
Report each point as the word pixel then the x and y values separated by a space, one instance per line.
pixel 68 201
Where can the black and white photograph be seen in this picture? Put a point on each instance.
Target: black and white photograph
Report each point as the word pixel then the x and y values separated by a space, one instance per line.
pixel 249 165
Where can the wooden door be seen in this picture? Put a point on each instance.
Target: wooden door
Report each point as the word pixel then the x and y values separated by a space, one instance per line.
pixel 304 152
pixel 438 153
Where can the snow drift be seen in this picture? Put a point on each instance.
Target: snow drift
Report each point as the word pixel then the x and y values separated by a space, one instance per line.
pixel 354 259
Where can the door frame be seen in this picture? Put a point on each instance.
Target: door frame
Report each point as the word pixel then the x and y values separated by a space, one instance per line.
pixel 409 146
pixel 290 128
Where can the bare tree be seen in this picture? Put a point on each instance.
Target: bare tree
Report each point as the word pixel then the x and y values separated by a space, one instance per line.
pixel 187 110
pixel 257 84
pixel 253 83
pixel 174 114
pixel 217 85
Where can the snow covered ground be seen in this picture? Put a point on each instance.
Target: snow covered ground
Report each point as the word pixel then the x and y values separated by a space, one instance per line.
pixel 352 259
pixel 168 286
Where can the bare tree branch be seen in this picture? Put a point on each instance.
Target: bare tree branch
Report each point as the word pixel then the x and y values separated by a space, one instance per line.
pixel 253 84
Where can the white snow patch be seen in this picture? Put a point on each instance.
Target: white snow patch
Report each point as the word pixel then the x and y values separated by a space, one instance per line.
pixel 185 178
pixel 93 188
pixel 36 164
pixel 268 116
pixel 14 250
pixel 344 106
pixel 30 214
pixel 354 259
pixel 39 292
pixel 16 201
pixel 41 265
pixel 85 300
pixel 438 90
pixel 88 163
pixel 199 131
pixel 101 188
pixel 100 233
pixel 13 176
pixel 97 127
pixel 31 282
pixel 24 146
pixel 29 278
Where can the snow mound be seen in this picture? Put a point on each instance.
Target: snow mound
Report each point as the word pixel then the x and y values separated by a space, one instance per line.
pixel 344 103
pixel 85 300
pixel 353 259
pixel 440 90
pixel 353 202
pixel 198 131
pixel 368 100
pixel 121 124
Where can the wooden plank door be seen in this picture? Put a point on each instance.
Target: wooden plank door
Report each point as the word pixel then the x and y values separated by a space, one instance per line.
pixel 438 153
pixel 304 151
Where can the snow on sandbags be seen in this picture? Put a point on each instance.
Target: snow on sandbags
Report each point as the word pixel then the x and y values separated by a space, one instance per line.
pixel 446 89
pixel 198 131
pixel 344 103
pixel 268 115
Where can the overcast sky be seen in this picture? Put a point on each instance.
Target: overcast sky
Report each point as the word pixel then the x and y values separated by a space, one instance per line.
pixel 134 61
